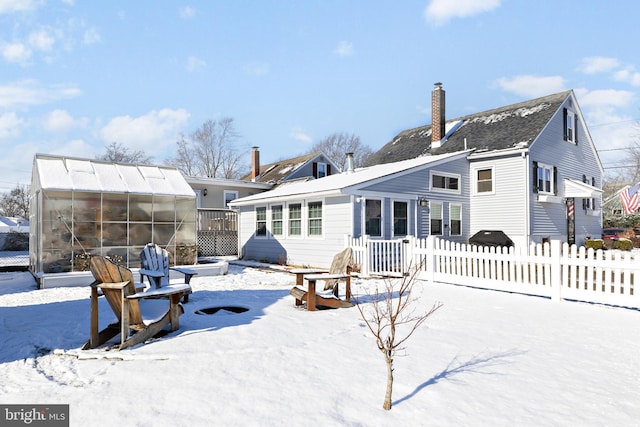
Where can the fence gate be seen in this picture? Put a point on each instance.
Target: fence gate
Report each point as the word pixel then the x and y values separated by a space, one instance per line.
pixel 381 257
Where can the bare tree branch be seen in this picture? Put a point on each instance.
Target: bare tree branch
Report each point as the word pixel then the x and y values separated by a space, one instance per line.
pixel 389 309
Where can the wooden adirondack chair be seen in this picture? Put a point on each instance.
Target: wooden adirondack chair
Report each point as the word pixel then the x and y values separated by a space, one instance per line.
pixel 340 269
pixel 154 265
pixel 140 315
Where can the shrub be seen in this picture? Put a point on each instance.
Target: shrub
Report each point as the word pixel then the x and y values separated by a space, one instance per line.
pixel 622 244
pixel 595 244
pixel 15 241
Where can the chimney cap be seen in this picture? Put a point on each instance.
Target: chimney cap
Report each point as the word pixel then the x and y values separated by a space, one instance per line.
pixel 438 84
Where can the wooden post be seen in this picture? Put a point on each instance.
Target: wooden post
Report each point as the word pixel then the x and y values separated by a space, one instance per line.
pixel 93 334
pixel 348 287
pixel 311 295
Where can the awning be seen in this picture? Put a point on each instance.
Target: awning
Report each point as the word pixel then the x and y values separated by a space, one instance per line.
pixel 574 188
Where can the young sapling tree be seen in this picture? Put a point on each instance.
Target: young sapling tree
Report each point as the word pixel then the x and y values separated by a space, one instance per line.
pixel 392 318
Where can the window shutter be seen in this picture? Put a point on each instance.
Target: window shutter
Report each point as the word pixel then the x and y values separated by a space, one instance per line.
pixel 564 124
pixel 585 205
pixel 575 128
pixel 593 200
pixel 328 169
pixel 315 169
pixel 535 177
pixel 555 180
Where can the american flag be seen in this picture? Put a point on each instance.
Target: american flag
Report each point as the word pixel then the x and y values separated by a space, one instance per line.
pixel 629 198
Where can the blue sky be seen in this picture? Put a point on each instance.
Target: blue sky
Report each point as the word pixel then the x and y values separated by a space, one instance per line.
pixel 78 75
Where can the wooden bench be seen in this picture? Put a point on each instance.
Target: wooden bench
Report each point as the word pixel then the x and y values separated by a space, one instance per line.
pixel 313 300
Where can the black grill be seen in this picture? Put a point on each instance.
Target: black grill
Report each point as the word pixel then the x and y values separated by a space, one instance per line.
pixel 490 238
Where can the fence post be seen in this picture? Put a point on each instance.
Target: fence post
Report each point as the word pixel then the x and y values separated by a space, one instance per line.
pixel 430 258
pixel 408 262
pixel 555 255
pixel 365 255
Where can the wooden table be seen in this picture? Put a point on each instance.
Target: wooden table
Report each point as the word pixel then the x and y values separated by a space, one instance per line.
pixel 311 290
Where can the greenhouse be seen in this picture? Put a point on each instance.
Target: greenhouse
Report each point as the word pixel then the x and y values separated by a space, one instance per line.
pixel 81 207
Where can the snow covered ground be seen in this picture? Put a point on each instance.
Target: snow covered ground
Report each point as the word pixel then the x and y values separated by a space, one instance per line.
pixel 484 359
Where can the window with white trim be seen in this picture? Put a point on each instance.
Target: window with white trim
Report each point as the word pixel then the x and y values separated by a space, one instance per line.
pixel 435 218
pixel 229 196
pixel 315 218
pixel 261 221
pixel 400 218
pixel 322 170
pixel 445 182
pixel 455 219
pixel 570 122
pixel 545 179
pixel 295 219
pixel 373 217
pixel 484 180
pixel 276 220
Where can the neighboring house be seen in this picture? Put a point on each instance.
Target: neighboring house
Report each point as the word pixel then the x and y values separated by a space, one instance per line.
pixel 534 172
pixel 217 225
pixel 10 224
pixel 528 169
pixel 306 222
pixel 314 165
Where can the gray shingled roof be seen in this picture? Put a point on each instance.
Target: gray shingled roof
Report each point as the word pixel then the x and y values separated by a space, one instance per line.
pixel 275 172
pixel 512 126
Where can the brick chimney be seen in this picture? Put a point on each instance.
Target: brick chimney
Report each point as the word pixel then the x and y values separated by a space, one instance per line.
pixel 437 115
pixel 255 163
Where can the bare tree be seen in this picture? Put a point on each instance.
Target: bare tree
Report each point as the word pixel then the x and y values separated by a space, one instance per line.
pixel 391 309
pixel 118 153
pixel 16 202
pixel 211 151
pixel 336 145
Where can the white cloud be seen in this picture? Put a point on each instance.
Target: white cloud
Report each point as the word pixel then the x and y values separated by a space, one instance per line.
pixel 195 64
pixel 257 68
pixel 605 98
pixel 440 12
pixel 91 36
pixel 532 86
pixel 598 64
pixel 628 75
pixel 9 6
pixel 41 40
pixel 151 133
pixel 58 121
pixel 10 125
pixel 344 48
pixel 187 12
pixel 30 92
pixel 15 52
pixel 300 135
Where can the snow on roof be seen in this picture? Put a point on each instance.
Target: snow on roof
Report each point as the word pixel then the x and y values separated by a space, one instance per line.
pixel 337 183
pixel 64 173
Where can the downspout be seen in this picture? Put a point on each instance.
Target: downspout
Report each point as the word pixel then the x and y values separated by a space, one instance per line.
pixel 527 217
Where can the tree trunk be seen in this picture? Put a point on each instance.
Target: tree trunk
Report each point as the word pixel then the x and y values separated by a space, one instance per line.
pixel 387 395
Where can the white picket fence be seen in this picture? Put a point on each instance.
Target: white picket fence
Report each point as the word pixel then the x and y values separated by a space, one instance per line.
pixel 553 270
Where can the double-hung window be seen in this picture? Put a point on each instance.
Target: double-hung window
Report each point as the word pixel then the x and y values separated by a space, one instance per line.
pixel 570 121
pixel 545 179
pixel 484 180
pixel 229 196
pixel 261 221
pixel 400 219
pixel 295 219
pixel 435 218
pixel 276 220
pixel 315 218
pixel 455 219
pixel 373 217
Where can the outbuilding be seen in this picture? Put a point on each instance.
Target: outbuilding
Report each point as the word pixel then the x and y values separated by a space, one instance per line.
pixel 80 207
